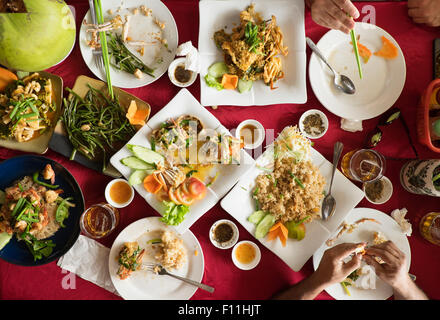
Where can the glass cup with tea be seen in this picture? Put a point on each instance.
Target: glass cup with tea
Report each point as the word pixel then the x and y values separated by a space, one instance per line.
pixel 99 220
pixel 364 165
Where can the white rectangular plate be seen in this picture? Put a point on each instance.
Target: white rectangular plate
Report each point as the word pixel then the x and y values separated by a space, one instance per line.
pixel 215 15
pixel 240 204
pixel 184 103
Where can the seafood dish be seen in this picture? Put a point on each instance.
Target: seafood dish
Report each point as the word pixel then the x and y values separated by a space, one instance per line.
pixel 130 259
pixel 27 108
pixel 34 210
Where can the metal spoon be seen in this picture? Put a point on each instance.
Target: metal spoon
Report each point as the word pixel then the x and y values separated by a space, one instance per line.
pixel 329 202
pixel 340 81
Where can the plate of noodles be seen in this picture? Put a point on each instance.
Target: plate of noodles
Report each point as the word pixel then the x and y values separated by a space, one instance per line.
pixel 252 52
pixel 284 192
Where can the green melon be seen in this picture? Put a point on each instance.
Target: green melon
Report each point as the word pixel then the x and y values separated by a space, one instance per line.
pixel 37 39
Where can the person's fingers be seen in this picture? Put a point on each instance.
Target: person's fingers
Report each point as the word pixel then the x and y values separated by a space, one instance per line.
pixel 395 249
pixel 378 268
pixel 413 3
pixel 348 7
pixel 341 17
pixel 343 250
pixel 416 13
pixel 383 254
pixel 390 247
pixel 352 265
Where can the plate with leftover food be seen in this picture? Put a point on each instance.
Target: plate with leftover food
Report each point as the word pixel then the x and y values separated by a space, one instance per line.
pixel 29 110
pixel 40 206
pixel 141 37
pixel 182 161
pixel 151 241
pixel 383 68
pixel 279 199
pixel 252 52
pixel 373 227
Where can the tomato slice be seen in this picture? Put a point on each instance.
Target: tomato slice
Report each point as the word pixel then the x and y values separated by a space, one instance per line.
pixel 196 188
pixel 172 196
pixel 183 198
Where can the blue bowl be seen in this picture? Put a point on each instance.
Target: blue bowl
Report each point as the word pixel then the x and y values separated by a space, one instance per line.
pixel 16 168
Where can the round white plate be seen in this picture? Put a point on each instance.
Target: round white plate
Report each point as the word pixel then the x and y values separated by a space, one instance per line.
pixel 140 28
pixel 383 79
pixel 144 285
pixel 364 233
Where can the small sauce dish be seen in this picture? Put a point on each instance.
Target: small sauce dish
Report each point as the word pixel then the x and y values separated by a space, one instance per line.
pixel 313 124
pixel 119 193
pixel 224 234
pixel 179 76
pixel 379 191
pixel 246 255
pixel 252 132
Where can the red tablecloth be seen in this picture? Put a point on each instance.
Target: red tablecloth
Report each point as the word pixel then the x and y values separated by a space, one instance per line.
pixel 272 274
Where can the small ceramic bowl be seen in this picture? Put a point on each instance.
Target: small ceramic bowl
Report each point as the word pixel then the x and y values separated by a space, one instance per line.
pixel 261 133
pixel 228 244
pixel 111 201
pixel 180 62
pixel 251 264
pixel 324 120
pixel 386 193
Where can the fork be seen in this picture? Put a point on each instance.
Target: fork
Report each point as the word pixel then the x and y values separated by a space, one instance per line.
pixel 158 269
pixel 97 53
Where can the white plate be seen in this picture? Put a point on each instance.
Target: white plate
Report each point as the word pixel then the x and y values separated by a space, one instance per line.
pixel 240 204
pixel 185 103
pixel 215 15
pixel 140 26
pixel 143 285
pixel 382 83
pixel 364 233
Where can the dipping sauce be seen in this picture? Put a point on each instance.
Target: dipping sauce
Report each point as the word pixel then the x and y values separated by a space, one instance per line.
pixel 120 192
pixel 374 190
pixel 245 253
pixel 99 220
pixel 313 124
pixel 223 233
pixel 249 134
pixel 181 74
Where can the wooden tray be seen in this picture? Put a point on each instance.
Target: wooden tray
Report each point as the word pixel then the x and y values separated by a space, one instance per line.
pixel 60 142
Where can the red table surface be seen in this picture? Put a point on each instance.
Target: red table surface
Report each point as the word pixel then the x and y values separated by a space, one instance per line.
pixel 272 274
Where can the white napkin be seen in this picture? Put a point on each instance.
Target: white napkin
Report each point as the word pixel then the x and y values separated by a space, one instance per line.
pixel 88 259
pixel 351 125
pixel 399 216
pixel 191 54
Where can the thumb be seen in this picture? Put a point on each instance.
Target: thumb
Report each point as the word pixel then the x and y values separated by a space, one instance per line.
pixel 353 264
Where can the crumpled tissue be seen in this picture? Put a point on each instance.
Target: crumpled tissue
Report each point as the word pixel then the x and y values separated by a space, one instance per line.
pixel 399 216
pixel 88 259
pixel 191 54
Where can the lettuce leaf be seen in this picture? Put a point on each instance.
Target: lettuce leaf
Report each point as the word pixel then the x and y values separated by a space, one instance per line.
pixel 174 214
pixel 212 82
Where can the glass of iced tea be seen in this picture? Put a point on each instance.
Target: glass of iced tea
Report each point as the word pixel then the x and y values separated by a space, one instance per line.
pixel 99 220
pixel 364 165
pixel 430 227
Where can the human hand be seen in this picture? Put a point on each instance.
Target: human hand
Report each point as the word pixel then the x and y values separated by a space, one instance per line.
pixel 332 268
pixel 425 11
pixel 333 14
pixel 394 270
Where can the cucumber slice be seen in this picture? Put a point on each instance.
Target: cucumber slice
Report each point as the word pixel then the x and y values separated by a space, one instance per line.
pixel 264 226
pixel 2 197
pixel 138 176
pixel 257 216
pixel 4 239
pixel 244 85
pixel 218 69
pixel 145 154
pixel 136 163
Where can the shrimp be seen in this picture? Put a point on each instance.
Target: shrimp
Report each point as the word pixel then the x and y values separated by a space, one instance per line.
pixel 21 225
pixel 50 196
pixel 33 195
pixel 49 174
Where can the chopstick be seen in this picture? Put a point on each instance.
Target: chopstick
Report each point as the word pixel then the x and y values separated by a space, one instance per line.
pixel 104 47
pixel 356 51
